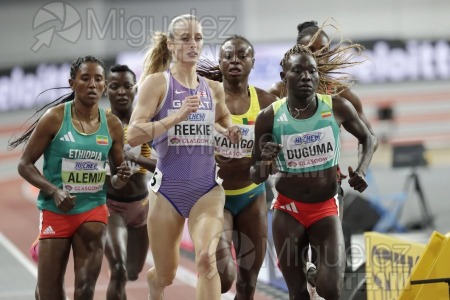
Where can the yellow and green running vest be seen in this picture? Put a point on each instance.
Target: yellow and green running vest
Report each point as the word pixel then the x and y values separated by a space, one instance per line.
pixel 246 122
pixel 75 162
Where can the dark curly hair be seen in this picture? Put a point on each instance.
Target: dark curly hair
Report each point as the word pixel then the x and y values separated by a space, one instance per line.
pixel 122 68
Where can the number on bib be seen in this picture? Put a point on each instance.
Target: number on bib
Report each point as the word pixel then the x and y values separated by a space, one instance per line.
pixel 155 182
pixel 218 179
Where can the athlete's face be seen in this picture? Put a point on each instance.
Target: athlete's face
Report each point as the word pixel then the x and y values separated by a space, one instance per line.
pixel 121 90
pixel 187 43
pixel 301 75
pixel 321 42
pixel 89 83
pixel 236 59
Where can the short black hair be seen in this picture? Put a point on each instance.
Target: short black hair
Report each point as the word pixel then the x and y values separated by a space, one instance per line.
pixel 122 68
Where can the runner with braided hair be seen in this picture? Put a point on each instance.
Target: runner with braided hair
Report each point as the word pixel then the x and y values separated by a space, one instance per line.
pixel 301 133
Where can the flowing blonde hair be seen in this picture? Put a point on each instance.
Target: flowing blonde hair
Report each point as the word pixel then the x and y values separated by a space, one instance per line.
pixel 158 57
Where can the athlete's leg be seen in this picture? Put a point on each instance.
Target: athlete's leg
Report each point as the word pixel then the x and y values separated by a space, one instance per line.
pixel 115 252
pixel 34 250
pixel 137 251
pixel 225 262
pixel 326 236
pixel 341 202
pixel 88 245
pixel 165 228
pixel 251 225
pixel 291 241
pixel 52 264
pixel 205 226
pixel 311 267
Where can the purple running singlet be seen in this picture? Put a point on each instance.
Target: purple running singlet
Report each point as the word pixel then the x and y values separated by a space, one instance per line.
pixel 186 168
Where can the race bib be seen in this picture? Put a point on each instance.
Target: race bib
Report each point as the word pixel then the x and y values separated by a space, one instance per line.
pixel 218 179
pixel 155 183
pixel 310 149
pixel 82 175
pixel 244 148
pixel 196 130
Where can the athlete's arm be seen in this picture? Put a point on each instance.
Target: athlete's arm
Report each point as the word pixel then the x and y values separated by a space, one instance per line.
pixel 120 172
pixel 346 114
pixel 40 139
pixel 265 99
pixel 223 122
pixel 275 89
pixel 223 116
pixel 151 93
pixel 264 150
pixel 357 104
pixel 145 162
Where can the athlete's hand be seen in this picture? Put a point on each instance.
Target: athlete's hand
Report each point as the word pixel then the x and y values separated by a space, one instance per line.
pixel 131 160
pixel 270 152
pixel 123 172
pixel 63 200
pixel 356 180
pixel 234 134
pixel 190 105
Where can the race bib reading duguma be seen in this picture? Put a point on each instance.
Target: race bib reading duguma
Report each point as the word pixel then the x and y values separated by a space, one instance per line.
pixel 309 149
